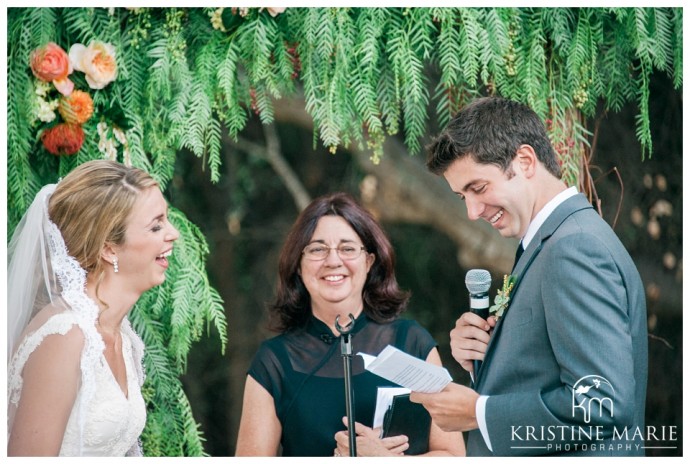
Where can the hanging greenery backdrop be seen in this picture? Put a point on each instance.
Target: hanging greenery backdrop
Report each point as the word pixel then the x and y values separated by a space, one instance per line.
pixel 186 75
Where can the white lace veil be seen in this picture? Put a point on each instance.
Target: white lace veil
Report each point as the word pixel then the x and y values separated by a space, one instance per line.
pixel 31 282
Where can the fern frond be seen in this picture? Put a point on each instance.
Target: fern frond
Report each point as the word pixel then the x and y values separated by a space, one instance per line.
pixel 469 44
pixel 663 39
pixel 42 22
pixel 642 124
pixel 449 51
pixel 535 70
pixel 677 47
pixel 496 47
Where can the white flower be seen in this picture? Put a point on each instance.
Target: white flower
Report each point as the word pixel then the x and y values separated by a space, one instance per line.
pixel 46 110
pixel 42 88
pixel 119 135
pixel 126 156
pixel 97 61
pixel 110 150
pixel 275 10
pixel 102 128
pixel 217 19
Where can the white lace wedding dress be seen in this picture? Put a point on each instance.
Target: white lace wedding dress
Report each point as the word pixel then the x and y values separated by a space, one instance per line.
pixel 103 421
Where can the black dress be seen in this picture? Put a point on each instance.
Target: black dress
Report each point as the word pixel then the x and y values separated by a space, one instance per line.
pixel 303 371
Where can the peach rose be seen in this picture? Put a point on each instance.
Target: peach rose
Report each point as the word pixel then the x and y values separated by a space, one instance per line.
pixel 97 61
pixel 50 63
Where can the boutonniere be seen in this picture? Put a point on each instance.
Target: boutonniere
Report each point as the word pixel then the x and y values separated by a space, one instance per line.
pixel 503 297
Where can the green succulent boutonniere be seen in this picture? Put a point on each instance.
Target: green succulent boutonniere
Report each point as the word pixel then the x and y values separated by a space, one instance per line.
pixel 503 297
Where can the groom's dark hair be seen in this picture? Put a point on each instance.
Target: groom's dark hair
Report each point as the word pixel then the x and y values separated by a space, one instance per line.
pixel 490 130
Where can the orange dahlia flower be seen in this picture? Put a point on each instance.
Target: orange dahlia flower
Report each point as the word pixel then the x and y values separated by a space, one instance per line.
pixel 63 139
pixel 77 108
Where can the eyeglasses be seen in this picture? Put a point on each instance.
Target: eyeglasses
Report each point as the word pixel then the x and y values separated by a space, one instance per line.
pixel 319 252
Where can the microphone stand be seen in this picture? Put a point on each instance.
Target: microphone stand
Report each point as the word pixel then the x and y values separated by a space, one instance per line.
pixel 346 352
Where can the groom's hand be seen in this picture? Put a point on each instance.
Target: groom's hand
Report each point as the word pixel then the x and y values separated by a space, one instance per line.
pixel 470 338
pixel 452 409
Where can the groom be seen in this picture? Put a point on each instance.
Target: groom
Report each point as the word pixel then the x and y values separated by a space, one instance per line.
pixel 564 369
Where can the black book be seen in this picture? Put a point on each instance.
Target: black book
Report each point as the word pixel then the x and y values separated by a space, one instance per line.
pixel 404 417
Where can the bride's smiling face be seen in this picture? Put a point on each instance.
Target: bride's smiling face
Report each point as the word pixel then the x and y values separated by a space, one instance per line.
pixel 149 237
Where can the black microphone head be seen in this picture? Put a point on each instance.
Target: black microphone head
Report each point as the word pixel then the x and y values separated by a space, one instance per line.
pixel 478 281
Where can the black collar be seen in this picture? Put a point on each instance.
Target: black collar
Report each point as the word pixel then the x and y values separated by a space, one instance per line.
pixel 319 329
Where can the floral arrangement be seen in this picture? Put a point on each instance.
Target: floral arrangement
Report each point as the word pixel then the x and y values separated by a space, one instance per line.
pixel 502 299
pixel 50 64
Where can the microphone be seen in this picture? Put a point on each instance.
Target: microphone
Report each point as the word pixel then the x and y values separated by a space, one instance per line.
pixel 478 282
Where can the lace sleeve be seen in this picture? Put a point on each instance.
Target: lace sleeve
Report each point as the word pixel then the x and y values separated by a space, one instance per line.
pixel 58 324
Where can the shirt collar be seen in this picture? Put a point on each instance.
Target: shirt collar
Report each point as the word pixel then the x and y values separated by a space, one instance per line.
pixel 544 213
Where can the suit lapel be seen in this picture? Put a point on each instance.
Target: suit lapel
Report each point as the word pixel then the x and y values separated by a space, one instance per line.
pixel 552 223
pixel 525 261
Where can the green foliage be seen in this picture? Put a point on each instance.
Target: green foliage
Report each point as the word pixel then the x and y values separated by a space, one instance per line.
pixel 169 318
pixel 150 100
pixel 186 75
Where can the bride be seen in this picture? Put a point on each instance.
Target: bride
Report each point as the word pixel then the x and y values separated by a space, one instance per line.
pixel 80 258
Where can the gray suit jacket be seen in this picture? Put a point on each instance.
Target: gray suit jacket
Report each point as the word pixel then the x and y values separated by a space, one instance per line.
pixel 566 366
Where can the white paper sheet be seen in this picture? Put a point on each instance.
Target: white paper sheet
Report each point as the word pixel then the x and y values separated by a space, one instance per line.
pixel 406 370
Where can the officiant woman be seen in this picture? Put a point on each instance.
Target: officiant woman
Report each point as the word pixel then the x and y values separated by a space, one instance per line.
pixel 336 260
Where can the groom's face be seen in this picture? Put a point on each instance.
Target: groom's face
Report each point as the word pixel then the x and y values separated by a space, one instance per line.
pixel 501 198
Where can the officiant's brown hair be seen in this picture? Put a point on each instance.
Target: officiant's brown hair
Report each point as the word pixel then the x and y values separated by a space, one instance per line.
pixel 383 298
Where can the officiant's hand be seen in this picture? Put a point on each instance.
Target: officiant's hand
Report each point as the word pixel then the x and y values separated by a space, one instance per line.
pixel 369 443
pixel 452 409
pixel 470 338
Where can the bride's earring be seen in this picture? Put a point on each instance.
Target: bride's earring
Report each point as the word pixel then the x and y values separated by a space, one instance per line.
pixel 115 268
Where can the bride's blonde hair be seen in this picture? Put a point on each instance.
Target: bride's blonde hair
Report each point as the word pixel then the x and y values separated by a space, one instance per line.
pixel 91 206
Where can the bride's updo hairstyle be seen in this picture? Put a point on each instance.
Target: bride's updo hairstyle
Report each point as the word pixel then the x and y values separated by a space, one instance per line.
pixel 91 206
